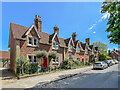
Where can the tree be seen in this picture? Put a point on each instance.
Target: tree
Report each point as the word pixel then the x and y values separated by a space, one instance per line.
pixel 113 8
pixel 102 47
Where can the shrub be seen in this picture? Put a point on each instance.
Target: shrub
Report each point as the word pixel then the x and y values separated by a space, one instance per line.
pixel 77 62
pixel 66 64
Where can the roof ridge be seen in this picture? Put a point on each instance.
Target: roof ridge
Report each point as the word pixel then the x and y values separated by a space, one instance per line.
pixel 18 24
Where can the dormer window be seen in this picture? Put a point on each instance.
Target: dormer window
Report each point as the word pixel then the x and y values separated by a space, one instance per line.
pixel 55 46
pixel 78 50
pixel 86 51
pixel 32 41
pixel 92 51
pixel 70 48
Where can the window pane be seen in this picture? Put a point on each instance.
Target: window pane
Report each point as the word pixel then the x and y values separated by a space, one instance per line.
pixel 30 58
pixel 30 40
pixel 35 59
pixel 54 45
pixel 35 42
pixel 57 46
pixel 78 59
pixel 53 60
pixel 57 59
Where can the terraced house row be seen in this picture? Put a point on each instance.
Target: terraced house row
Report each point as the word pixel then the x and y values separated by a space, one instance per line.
pixel 30 41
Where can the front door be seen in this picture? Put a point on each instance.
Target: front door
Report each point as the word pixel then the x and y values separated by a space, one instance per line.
pixel 45 62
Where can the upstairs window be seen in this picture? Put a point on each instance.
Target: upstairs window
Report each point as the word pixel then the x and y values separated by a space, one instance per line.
pixel 55 45
pixel 70 48
pixel 35 42
pixel 32 58
pixel 30 41
pixel 78 50
pixel 92 51
pixel 86 51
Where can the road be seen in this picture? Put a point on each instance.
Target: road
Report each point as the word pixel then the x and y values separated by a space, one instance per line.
pixel 107 78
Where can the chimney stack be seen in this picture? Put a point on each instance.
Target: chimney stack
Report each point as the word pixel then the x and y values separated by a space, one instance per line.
pixel 87 40
pixel 38 22
pixel 114 49
pixel 56 29
pixel 74 36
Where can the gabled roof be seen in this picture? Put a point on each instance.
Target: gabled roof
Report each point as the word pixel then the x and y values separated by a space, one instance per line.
pixel 17 30
pixel 83 45
pixel 32 26
pixel 91 47
pixel 68 41
pixel 4 55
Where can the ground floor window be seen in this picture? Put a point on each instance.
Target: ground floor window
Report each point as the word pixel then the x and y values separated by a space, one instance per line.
pixel 71 58
pixel 86 59
pixel 32 58
pixel 78 59
pixel 56 60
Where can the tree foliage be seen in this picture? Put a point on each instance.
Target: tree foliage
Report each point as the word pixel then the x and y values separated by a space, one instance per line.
pixel 102 57
pixel 113 8
pixel 102 47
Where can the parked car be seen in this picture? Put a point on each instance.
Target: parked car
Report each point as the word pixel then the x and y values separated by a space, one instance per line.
pixel 108 62
pixel 100 65
pixel 112 62
pixel 116 62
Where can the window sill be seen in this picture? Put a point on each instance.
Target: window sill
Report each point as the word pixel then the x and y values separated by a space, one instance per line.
pixel 32 45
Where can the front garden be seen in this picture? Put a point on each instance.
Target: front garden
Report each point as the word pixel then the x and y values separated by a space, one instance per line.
pixel 25 67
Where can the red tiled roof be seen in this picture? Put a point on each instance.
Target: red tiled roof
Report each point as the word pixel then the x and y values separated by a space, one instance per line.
pixel 4 55
pixel 18 32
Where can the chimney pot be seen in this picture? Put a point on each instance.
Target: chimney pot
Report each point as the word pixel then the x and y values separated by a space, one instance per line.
pixel 38 23
pixel 56 29
pixel 35 16
pixel 74 36
pixel 87 40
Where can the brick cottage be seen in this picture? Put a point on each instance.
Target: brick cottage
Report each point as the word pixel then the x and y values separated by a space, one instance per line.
pixel 30 41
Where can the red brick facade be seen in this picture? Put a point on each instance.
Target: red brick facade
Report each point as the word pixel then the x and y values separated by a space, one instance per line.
pixel 18 43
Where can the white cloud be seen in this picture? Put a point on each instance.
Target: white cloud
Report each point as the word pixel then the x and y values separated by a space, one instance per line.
pixel 92 26
pixel 94 32
pixel 100 20
pixel 104 17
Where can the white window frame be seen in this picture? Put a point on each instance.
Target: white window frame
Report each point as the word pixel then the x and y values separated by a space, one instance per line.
pixel 78 50
pixel 86 51
pixel 55 60
pixel 36 42
pixel 55 45
pixel 70 48
pixel 33 38
pixel 32 61
pixel 78 58
pixel 31 41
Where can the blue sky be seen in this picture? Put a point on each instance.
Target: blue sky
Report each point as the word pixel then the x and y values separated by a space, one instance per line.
pixel 84 18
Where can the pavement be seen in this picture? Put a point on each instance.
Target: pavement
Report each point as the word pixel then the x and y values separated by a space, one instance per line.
pixel 107 78
pixel 41 80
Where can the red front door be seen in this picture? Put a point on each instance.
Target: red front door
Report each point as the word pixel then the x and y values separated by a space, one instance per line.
pixel 45 62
